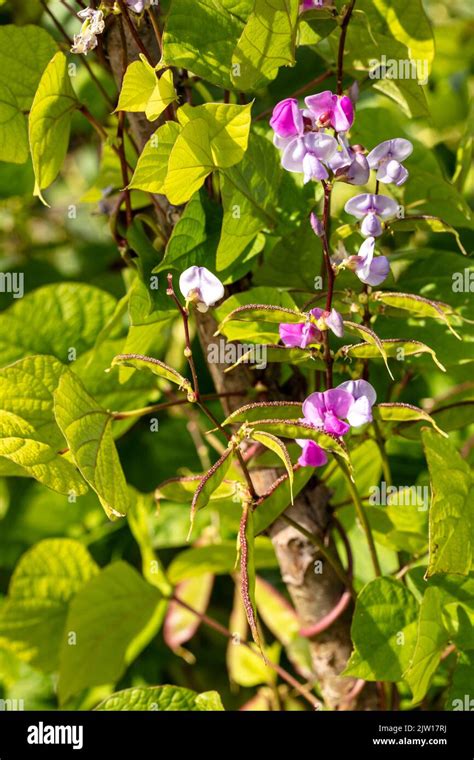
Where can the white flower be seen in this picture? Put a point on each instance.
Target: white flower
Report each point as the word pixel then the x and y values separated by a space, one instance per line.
pixel 198 284
pixel 93 25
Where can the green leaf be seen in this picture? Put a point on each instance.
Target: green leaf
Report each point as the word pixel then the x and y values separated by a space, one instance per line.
pixel 278 447
pixel 50 122
pixel 31 456
pixel 403 524
pixel 365 45
pixel 214 135
pixel 114 617
pixel 418 306
pixel 249 195
pixel 24 54
pixel 190 162
pixel 143 90
pixel 383 631
pixel 183 489
pixel 228 128
pixel 459 695
pixel 13 129
pixel 180 624
pixel 63 320
pixel 267 42
pixel 210 483
pixel 450 417
pixel 45 580
pixel 152 166
pixel 431 639
pixel 407 22
pixel 219 559
pixel 428 223
pixel 87 429
pixel 404 413
pixel 294 429
pixel 284 410
pixel 262 313
pixel 451 514
pixel 157 367
pixel 27 388
pixel 370 337
pixel 206 45
pixel 279 354
pixel 394 347
pixel 161 699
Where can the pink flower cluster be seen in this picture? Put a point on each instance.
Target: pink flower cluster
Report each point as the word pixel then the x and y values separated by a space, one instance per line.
pixel 351 401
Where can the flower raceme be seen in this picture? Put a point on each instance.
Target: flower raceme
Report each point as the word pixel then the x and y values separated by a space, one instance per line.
pixel 307 148
pixel 352 401
pixel 200 286
pixel 304 334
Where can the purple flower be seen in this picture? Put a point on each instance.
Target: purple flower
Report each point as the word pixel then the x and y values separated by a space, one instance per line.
pixel 299 335
pixel 386 158
pixel 331 320
pixel 364 397
pixel 305 154
pixel 317 225
pixel 371 208
pixel 348 164
pixel 287 119
pixel 308 5
pixel 352 400
pixel 331 110
pixel 369 270
pixel 199 285
pixel 304 334
pixel 312 454
pixel 325 410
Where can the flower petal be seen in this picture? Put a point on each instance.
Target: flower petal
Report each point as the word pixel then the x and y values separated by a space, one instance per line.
pixel 359 205
pixel 359 389
pixel 360 412
pixel 287 120
pixel 343 117
pixel 293 155
pixel 321 103
pixel 209 288
pixel 312 454
pixel 335 323
pixel 371 226
pixel 338 401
